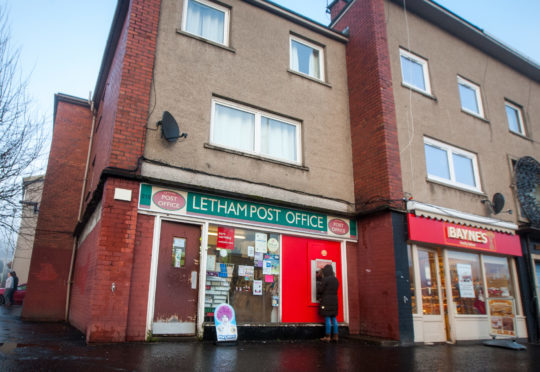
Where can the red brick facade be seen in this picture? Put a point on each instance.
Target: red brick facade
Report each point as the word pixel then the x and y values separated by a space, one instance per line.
pixel 124 104
pixel 109 294
pixel 377 170
pixel 53 247
pixel 138 300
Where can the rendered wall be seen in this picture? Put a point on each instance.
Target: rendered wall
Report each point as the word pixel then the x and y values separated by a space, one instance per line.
pixel 189 72
pixel 440 116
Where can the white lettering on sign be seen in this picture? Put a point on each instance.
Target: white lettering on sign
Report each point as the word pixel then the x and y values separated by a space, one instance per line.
pixel 466 234
pixel 169 200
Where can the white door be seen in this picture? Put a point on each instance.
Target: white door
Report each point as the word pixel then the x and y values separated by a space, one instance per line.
pixel 430 299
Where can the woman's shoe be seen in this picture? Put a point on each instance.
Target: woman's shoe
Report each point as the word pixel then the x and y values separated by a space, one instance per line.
pixel 335 338
pixel 326 338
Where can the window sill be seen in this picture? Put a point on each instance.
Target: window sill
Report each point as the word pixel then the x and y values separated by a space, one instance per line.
pixel 475 116
pixel 456 187
pixel 420 91
pixel 309 77
pixel 520 135
pixel 257 157
pixel 179 31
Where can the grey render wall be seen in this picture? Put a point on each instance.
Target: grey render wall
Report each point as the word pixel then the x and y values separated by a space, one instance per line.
pixel 441 117
pixel 189 72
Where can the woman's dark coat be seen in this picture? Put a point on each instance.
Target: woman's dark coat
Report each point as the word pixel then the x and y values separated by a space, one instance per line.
pixel 327 292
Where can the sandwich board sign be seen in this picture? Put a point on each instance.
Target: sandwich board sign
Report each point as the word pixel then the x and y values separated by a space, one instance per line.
pixel 225 322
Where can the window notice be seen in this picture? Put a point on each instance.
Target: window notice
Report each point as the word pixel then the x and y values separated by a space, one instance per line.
pixel 179 252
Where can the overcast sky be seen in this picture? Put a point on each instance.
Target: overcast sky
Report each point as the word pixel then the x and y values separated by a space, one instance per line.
pixel 61 42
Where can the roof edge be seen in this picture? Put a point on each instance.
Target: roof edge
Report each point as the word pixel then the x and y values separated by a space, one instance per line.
pixel 298 19
pixel 117 24
pixel 61 97
pixel 473 35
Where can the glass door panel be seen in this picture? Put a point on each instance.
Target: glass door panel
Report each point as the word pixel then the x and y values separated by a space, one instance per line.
pixel 427 263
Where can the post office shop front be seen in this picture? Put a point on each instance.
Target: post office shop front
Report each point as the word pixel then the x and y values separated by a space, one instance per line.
pixel 460 271
pixel 258 258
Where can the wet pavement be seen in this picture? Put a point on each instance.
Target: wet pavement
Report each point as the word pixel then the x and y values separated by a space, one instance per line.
pixel 30 346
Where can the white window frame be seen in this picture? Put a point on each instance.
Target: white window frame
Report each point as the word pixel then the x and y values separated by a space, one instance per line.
pixel 478 95
pixel 312 46
pixel 257 132
pixel 521 129
pixel 226 11
pixel 423 63
pixel 449 151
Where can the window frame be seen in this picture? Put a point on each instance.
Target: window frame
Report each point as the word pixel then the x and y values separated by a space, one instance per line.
pixel 313 46
pixel 476 88
pixel 226 20
pixel 450 150
pixel 258 114
pixel 519 111
pixel 425 70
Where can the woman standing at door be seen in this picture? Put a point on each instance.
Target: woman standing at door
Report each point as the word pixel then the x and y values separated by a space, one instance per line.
pixel 327 292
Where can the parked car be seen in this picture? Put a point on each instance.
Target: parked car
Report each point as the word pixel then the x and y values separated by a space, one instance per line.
pixel 18 297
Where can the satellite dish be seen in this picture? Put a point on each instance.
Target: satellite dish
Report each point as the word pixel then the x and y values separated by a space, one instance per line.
pixel 169 127
pixel 527 173
pixel 498 202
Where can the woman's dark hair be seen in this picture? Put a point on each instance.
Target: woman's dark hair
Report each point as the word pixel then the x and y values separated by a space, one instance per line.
pixel 328 271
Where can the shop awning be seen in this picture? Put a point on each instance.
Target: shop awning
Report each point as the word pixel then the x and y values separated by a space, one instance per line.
pixel 460 218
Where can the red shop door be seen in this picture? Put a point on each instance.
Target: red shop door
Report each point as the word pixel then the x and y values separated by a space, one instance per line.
pixel 301 257
pixel 175 308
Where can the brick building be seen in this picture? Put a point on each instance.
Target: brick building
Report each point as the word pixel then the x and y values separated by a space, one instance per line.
pixel 232 148
pixel 453 111
pixel 32 189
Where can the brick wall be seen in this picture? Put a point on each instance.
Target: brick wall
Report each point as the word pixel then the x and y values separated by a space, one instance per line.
pixel 377 170
pixel 376 163
pixel 83 274
pixel 53 245
pixel 138 299
pixel 123 108
pixel 337 7
pixel 376 278
pixel 114 264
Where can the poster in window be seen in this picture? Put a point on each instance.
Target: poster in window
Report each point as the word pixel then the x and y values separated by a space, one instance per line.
pixel 225 238
pixel 179 252
pixel 260 242
pixel 466 285
pixel 211 262
pixel 257 287
pixel 258 259
pixel 502 317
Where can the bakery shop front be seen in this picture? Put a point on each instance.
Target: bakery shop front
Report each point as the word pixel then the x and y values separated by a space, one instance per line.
pixel 259 258
pixel 462 272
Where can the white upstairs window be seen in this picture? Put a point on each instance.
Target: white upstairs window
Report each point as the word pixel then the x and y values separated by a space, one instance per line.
pixel 249 130
pixel 306 58
pixel 414 72
pixel 207 20
pixel 450 165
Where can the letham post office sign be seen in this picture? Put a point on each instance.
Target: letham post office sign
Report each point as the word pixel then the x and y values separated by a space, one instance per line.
pixel 180 202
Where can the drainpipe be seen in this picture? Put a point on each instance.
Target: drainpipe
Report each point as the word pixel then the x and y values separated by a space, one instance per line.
pixel 79 216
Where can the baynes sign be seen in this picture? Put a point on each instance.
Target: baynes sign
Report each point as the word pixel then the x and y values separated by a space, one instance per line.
pixel 432 231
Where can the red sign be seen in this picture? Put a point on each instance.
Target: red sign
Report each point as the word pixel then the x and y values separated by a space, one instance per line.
pixel 427 230
pixel 225 238
pixel 169 200
pixel 338 227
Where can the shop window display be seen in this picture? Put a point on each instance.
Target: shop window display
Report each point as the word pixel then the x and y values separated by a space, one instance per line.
pixel 243 270
pixel 468 293
pixel 428 281
pixel 411 279
pixel 499 283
